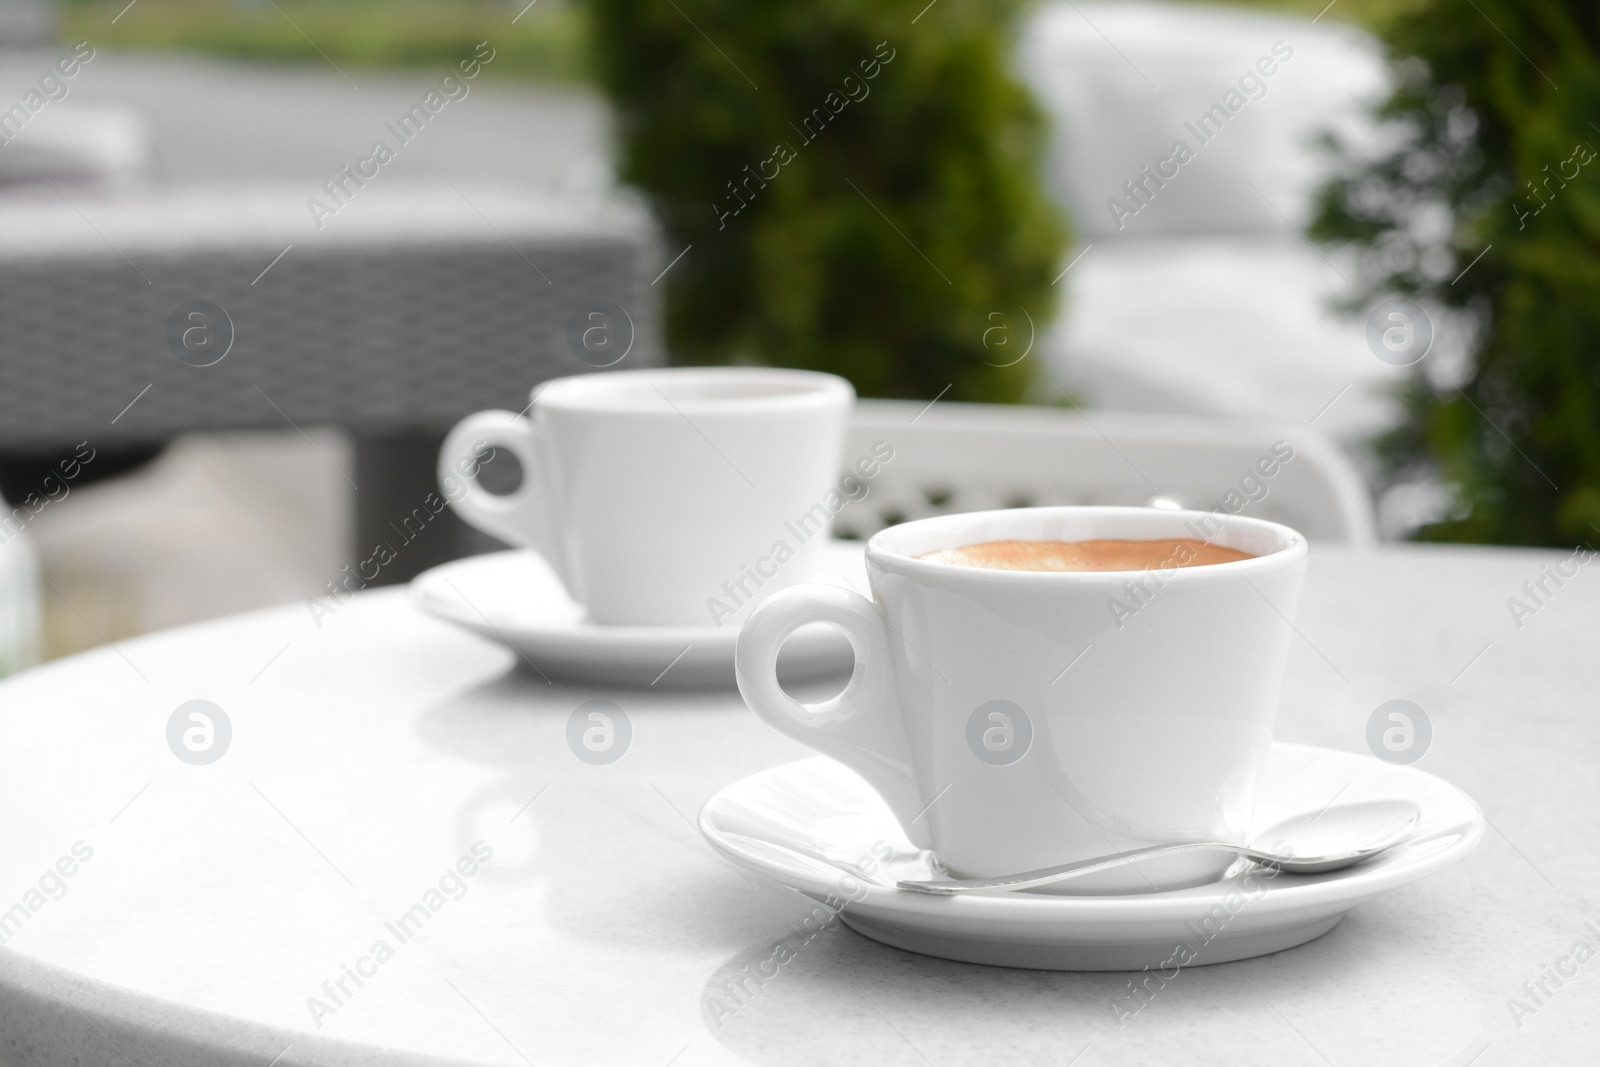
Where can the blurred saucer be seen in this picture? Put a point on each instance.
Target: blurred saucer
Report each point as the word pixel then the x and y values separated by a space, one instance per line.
pixel 516 599
pixel 803 823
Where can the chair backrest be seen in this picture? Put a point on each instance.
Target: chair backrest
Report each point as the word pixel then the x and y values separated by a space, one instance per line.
pixel 972 457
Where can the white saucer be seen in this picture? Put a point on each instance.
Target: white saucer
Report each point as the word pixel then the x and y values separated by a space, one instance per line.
pixel 516 599
pixel 763 823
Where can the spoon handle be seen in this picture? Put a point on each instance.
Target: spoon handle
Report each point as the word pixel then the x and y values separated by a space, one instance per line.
pixel 1065 871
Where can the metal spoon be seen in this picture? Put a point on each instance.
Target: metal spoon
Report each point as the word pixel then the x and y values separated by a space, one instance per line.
pixel 1310 843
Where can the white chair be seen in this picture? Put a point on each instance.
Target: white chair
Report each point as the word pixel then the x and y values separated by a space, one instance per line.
pixel 108 144
pixel 972 457
pixel 1208 301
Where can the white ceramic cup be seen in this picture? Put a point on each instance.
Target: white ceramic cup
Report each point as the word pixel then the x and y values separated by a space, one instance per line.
pixel 646 491
pixel 1014 720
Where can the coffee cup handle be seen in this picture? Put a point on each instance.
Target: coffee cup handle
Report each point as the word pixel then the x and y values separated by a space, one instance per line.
pixel 863 726
pixel 523 517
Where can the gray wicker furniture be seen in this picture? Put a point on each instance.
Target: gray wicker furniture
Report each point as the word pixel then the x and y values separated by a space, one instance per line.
pixel 127 317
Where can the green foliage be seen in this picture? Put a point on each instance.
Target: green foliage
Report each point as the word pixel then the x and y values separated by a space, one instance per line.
pixel 1360 12
pixel 1516 434
pixel 549 42
pixel 875 242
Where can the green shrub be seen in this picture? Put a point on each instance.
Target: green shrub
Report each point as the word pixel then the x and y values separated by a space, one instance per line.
pixel 548 43
pixel 861 186
pixel 1515 435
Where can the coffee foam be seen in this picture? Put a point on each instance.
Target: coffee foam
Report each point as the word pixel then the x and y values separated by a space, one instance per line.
pixel 1097 555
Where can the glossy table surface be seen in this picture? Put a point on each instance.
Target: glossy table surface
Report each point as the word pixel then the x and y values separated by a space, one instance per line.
pixel 158 912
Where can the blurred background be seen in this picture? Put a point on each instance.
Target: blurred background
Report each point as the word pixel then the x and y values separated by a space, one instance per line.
pixel 256 256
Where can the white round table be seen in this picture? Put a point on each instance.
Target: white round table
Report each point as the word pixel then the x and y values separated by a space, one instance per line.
pixel 392 781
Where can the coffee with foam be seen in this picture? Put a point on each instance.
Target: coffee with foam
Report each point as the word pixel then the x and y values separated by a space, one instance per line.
pixel 1098 555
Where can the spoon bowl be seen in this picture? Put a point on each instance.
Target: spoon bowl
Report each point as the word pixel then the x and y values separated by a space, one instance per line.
pixel 1337 836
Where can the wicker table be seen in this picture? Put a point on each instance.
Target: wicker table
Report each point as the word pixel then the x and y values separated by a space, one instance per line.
pixel 414 305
